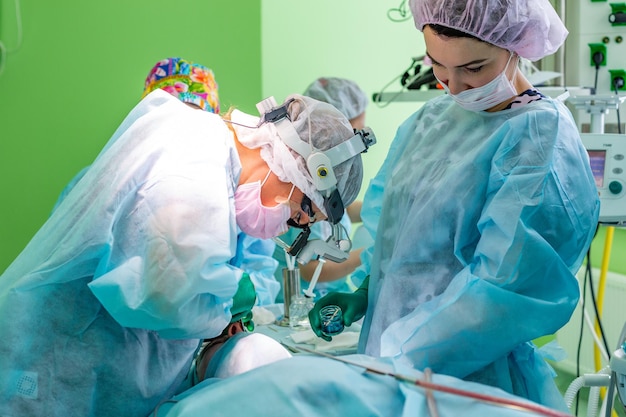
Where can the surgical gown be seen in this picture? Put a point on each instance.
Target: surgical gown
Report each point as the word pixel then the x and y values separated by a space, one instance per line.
pixel 104 309
pixel 480 221
pixel 253 255
pixel 256 257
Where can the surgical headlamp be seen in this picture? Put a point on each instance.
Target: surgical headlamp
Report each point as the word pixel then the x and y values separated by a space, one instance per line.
pixel 319 163
pixel 320 166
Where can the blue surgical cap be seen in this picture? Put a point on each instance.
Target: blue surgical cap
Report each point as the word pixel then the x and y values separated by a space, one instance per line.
pixel 344 94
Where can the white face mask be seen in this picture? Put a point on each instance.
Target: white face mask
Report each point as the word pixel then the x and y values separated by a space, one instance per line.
pixel 487 96
pixel 255 219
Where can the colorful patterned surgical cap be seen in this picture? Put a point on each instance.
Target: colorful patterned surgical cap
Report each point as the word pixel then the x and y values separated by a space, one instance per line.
pixel 191 83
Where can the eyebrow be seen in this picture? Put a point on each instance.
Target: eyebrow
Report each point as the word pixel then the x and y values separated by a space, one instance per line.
pixel 476 61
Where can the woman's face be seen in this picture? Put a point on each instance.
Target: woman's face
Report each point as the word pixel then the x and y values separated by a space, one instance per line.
pixel 465 63
pixel 275 192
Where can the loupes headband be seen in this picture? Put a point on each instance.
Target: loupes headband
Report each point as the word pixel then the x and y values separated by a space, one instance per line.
pixel 319 163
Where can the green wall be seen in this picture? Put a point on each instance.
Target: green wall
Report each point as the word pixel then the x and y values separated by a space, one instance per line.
pixel 79 70
pixel 81 65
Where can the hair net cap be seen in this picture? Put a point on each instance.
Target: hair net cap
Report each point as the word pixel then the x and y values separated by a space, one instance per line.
pixel 530 28
pixel 318 124
pixel 190 82
pixel 344 94
pixel 244 352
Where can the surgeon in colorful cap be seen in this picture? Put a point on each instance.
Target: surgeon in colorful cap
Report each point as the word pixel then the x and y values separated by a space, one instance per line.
pixel 107 306
pixel 195 85
pixel 483 209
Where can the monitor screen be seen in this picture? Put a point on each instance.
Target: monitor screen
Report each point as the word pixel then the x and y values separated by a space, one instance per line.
pixel 597 159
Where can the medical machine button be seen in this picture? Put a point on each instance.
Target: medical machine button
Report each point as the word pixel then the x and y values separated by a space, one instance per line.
pixel 615 187
pixel 617 170
pixel 618 156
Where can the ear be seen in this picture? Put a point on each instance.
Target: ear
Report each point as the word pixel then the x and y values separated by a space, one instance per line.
pixel 234 328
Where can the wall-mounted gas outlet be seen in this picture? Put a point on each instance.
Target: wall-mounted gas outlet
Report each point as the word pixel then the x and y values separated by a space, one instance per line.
pixel 618 80
pixel 597 54
pixel 618 14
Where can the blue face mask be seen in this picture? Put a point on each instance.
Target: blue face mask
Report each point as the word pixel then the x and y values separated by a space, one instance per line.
pixel 496 91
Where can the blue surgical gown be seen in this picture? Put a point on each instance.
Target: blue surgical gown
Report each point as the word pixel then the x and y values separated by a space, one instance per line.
pixel 104 309
pixel 480 221
pixel 253 255
pixel 256 257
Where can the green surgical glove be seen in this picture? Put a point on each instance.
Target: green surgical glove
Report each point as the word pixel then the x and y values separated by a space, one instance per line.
pixel 353 306
pixel 243 301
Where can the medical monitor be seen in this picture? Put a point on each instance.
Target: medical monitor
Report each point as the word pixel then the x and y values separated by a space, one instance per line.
pixel 597 159
pixel 607 157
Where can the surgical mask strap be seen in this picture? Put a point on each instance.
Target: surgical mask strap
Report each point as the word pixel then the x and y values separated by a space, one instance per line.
pixel 507 67
pixel 266 177
pixel 293 187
